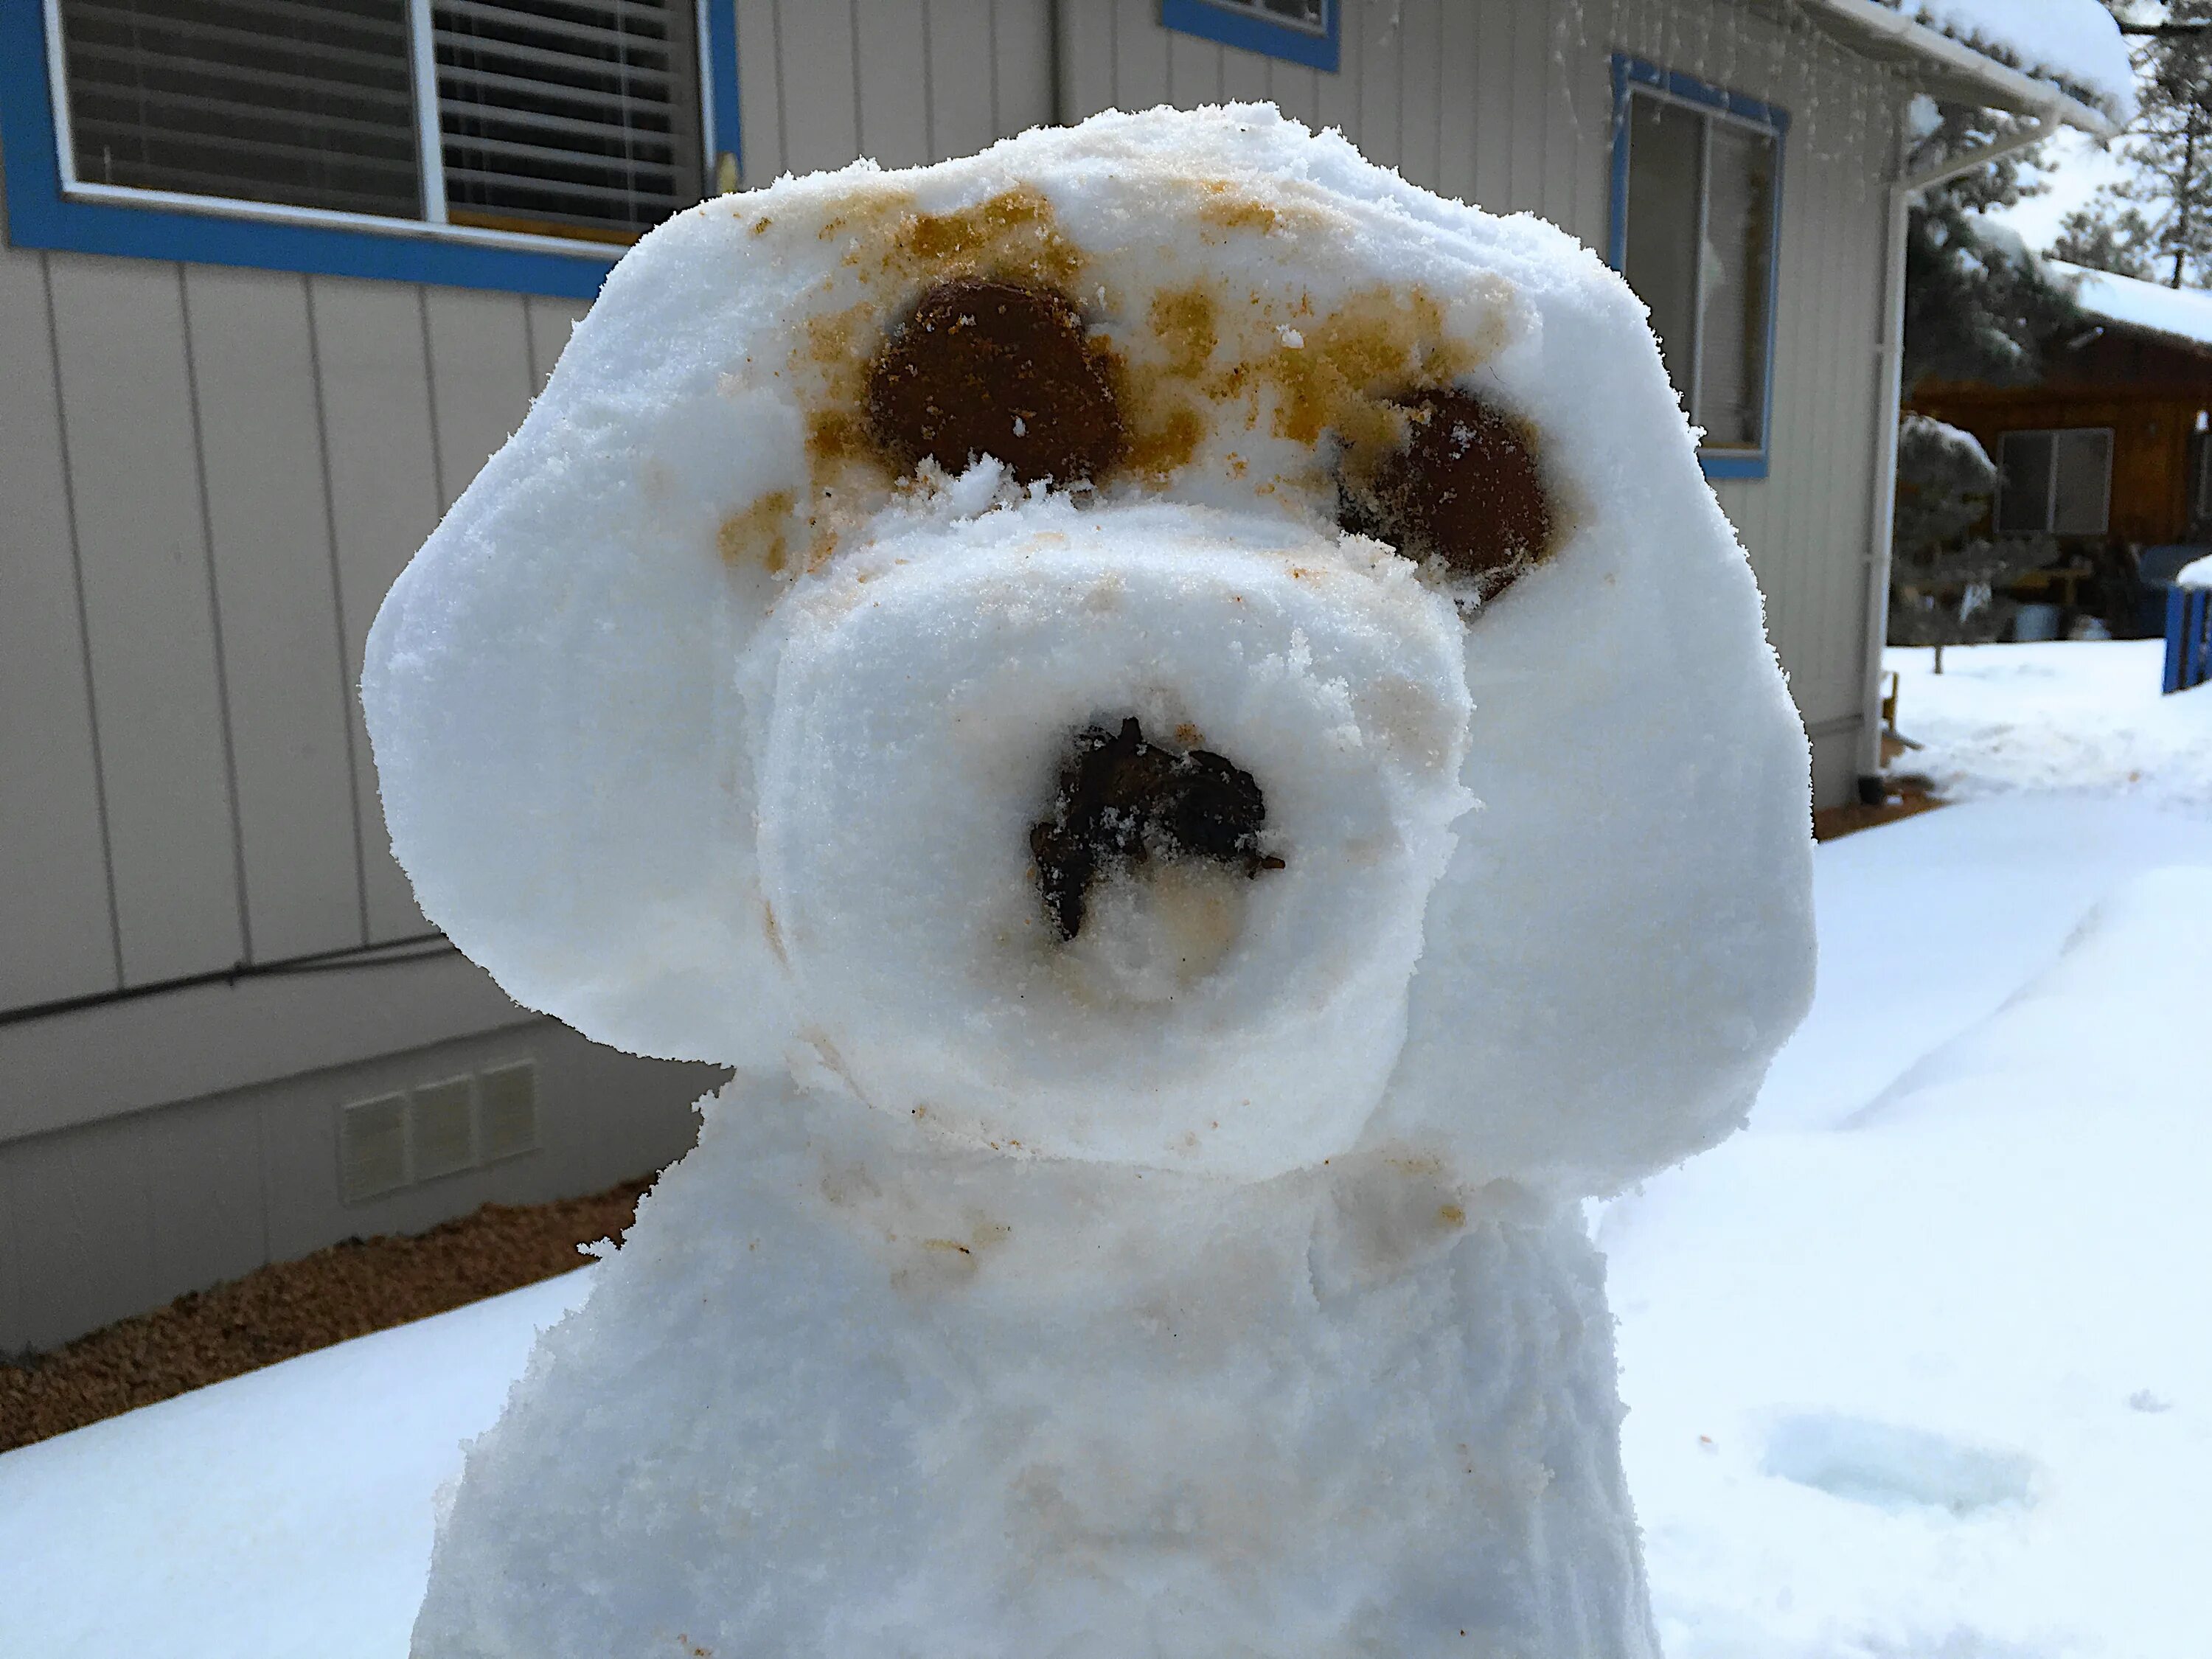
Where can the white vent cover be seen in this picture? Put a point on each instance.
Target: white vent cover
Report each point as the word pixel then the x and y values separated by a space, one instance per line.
pixel 507 1112
pixel 442 1128
pixel 371 1148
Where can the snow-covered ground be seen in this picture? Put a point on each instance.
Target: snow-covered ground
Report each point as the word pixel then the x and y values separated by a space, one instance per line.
pixel 2075 718
pixel 1922 1365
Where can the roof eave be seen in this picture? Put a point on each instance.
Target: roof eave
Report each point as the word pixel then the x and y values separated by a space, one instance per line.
pixel 1947 70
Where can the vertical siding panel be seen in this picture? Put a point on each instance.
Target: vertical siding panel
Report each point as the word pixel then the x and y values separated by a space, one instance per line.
pixel 550 322
pixel 83 1233
pixel 126 405
pixel 1296 90
pixel 56 928
pixel 1338 95
pixel 1492 80
pixel 1087 32
pixel 211 1223
pixel 962 118
pixel 1562 126
pixel 1379 80
pixel 1140 54
pixel 1458 99
pixel 760 93
pixel 891 55
pixel 1531 131
pixel 481 383
pixel 821 123
pixel 1194 71
pixel 1420 92
pixel 253 369
pixel 1022 38
pixel 1244 75
pixel 384 501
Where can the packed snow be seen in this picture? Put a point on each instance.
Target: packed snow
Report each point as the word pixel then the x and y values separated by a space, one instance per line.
pixel 2182 314
pixel 1181 711
pixel 2072 43
pixel 2196 574
pixel 2070 717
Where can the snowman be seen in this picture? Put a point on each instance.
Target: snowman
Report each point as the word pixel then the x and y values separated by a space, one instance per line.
pixel 1179 711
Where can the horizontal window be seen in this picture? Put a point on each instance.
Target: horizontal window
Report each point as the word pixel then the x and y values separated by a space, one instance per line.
pixel 1300 30
pixel 1697 211
pixel 476 142
pixel 2056 483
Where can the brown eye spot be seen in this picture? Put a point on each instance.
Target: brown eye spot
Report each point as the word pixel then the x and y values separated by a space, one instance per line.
pixel 996 368
pixel 1464 487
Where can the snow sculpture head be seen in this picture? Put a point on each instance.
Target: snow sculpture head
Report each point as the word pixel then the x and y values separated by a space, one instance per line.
pixel 1158 644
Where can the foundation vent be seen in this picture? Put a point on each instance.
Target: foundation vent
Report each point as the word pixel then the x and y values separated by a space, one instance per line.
pixel 372 1147
pixel 437 1128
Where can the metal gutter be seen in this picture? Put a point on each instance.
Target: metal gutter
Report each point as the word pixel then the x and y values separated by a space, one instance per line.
pixel 2000 87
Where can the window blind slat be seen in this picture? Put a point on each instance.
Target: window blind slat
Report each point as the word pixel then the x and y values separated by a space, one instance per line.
pixel 285 101
pixel 576 111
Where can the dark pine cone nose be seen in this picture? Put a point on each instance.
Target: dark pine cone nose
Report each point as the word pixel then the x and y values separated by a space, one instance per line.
pixel 1123 801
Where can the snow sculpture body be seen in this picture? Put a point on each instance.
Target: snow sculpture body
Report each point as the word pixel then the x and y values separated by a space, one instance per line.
pixel 1193 902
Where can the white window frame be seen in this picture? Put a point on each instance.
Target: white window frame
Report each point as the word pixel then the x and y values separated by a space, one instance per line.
pixel 430 152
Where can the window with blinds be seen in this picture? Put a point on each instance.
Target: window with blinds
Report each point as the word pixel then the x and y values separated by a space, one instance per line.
pixel 562 117
pixel 575 117
pixel 305 103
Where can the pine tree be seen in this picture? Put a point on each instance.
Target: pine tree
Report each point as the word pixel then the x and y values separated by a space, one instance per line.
pixel 1977 303
pixel 2157 222
pixel 1943 582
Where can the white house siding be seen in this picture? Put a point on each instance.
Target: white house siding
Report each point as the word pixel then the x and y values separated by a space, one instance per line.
pixel 211 475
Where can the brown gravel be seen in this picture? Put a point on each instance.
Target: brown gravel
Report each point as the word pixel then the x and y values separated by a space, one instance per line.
pixel 291 1308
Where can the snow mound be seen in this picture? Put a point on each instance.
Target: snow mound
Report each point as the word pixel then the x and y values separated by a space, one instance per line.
pixel 2196 574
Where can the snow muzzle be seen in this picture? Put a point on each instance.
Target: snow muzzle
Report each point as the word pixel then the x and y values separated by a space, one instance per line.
pixel 1082 833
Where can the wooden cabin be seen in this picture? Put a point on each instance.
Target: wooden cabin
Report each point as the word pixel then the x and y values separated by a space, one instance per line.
pixel 2109 450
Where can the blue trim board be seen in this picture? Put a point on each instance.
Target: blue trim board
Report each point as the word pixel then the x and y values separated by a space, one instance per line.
pixel 1253 30
pixel 40 216
pixel 1630 73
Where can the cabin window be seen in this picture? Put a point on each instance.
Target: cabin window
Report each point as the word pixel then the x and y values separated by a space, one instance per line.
pixel 1697 211
pixel 2056 482
pixel 1301 31
pixel 563 127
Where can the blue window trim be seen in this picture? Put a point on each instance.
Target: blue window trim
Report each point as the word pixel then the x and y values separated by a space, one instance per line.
pixel 1234 25
pixel 40 216
pixel 1630 73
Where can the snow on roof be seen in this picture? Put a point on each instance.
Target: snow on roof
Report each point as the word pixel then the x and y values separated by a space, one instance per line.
pixel 2181 313
pixel 2072 44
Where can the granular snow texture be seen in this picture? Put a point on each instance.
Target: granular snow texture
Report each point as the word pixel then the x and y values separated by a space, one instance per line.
pixel 1141 1226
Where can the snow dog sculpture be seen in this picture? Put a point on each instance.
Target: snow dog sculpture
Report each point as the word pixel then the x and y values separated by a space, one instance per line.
pixel 1180 711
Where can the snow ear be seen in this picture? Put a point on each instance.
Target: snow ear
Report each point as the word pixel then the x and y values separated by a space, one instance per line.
pixel 552 692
